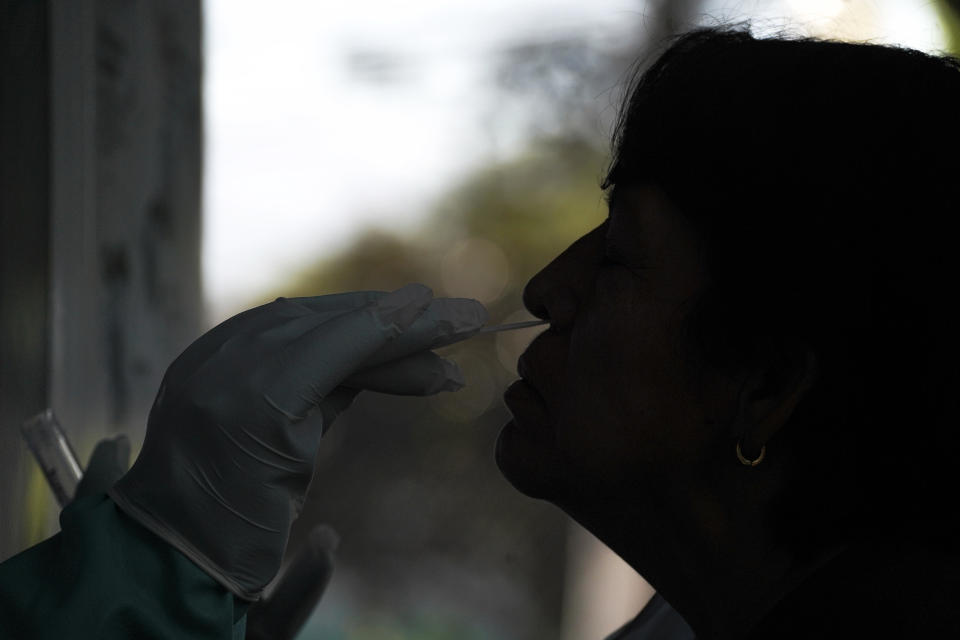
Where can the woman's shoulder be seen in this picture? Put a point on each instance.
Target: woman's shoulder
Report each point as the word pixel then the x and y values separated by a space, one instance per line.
pixel 895 588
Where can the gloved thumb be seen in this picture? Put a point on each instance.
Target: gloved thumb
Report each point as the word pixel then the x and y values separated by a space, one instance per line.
pixel 295 592
pixel 108 462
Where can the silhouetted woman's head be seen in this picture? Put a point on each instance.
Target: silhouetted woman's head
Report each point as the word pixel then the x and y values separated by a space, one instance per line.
pixel 821 178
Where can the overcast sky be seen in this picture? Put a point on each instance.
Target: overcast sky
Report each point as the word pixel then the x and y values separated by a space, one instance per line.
pixel 311 133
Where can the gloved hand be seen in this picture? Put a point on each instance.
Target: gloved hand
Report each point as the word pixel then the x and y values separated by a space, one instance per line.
pixel 236 424
pixel 295 592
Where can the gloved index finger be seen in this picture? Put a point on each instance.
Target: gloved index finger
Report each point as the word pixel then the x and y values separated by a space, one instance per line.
pixel 306 369
pixel 445 321
pixel 260 318
pixel 337 301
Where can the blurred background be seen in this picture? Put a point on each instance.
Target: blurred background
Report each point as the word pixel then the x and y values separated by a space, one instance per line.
pixel 167 164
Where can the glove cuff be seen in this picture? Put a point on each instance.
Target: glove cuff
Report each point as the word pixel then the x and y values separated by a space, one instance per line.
pixel 172 537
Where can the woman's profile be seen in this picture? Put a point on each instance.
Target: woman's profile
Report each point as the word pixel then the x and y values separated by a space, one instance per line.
pixel 748 390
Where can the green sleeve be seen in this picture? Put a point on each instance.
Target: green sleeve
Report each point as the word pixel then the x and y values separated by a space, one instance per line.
pixel 105 576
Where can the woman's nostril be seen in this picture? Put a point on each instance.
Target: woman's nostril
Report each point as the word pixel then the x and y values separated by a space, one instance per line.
pixel 539 311
pixel 559 307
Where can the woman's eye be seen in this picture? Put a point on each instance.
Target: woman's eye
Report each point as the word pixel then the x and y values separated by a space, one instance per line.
pixel 610 263
pixel 607 261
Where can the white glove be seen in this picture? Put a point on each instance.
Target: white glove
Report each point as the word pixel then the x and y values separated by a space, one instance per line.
pixel 236 424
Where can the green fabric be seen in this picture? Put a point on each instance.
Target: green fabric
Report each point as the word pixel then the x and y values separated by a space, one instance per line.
pixel 106 576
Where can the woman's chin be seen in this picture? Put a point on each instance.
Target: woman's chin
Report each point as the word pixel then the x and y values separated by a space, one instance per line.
pixel 527 465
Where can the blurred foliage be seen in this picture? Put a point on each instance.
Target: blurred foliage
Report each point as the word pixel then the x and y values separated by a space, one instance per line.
pixel 949 11
pixel 531 208
pixel 572 85
pixel 427 522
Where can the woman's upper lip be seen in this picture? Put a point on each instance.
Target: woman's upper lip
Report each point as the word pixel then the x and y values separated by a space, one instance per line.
pixel 532 365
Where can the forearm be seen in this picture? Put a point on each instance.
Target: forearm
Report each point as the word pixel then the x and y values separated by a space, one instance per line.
pixel 106 576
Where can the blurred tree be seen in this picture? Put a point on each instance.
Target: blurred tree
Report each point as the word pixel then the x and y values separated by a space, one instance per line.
pixel 571 85
pixel 949 11
pixel 440 530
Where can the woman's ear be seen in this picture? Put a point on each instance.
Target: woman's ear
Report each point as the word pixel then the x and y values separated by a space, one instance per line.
pixel 769 396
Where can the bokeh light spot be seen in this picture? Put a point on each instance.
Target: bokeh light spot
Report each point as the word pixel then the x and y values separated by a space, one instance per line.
pixel 475 268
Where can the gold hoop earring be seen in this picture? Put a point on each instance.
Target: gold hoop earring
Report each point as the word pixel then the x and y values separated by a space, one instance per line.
pixel 751 463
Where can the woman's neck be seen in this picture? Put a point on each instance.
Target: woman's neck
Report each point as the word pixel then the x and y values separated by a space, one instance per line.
pixel 717 565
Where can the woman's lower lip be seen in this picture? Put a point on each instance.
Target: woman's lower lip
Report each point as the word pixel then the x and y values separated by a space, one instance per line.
pixel 521 389
pixel 521 397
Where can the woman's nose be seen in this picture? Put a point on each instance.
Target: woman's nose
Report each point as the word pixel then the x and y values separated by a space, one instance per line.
pixel 556 303
pixel 556 291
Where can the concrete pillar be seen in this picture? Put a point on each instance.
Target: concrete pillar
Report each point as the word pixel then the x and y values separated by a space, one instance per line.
pixel 100 280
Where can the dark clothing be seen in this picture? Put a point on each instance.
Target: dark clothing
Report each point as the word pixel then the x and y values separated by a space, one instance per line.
pixel 897 590
pixel 104 576
pixel 657 621
pixel 873 590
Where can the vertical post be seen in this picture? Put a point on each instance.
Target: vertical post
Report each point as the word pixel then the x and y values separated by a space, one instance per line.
pixel 100 182
pixel 77 389
pixel 24 251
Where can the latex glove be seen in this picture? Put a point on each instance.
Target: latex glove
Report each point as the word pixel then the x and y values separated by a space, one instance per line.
pixel 236 424
pixel 294 593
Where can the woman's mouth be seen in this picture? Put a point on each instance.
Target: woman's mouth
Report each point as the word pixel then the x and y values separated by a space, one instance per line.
pixel 525 403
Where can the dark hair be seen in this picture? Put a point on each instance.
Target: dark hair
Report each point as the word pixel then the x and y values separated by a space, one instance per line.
pixel 818 175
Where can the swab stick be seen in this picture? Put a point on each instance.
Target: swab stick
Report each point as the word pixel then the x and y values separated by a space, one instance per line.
pixel 513 325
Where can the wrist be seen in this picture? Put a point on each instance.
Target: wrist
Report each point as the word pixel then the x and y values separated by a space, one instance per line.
pixel 240 555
